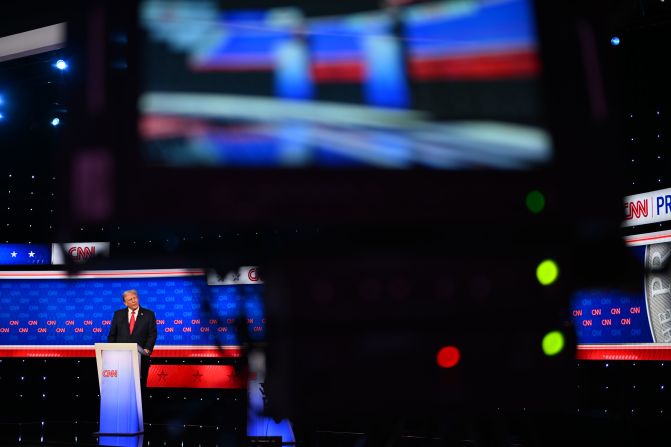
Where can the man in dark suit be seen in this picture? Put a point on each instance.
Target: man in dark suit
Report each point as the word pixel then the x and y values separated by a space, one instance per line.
pixel 135 324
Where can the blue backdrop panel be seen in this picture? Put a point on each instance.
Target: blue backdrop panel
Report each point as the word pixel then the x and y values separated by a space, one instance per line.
pixel 610 317
pixel 79 311
pixel 25 254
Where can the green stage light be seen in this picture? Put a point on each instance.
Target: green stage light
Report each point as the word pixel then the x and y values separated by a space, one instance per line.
pixel 553 343
pixel 535 202
pixel 547 272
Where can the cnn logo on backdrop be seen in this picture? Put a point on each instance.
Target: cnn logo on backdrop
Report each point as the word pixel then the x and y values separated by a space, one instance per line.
pixel 78 251
pixel 82 253
pixel 110 373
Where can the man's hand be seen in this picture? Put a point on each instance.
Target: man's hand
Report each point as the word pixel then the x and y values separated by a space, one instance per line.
pixel 147 351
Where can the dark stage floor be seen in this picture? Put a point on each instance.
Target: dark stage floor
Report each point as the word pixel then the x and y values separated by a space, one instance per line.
pixel 584 430
pixel 82 434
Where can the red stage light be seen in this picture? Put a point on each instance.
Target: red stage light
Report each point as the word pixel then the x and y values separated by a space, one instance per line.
pixel 448 357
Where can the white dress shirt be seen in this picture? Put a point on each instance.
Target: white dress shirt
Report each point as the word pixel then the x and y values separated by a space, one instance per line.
pixel 137 314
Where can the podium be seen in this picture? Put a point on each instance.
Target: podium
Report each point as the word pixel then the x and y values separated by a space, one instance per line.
pixel 120 392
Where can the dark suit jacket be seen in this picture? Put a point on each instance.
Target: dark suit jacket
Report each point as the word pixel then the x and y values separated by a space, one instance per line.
pixel 144 332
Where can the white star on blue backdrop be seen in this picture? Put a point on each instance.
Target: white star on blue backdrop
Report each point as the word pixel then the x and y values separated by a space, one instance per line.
pixel 25 254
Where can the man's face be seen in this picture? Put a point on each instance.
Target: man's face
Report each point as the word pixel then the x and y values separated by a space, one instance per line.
pixel 131 301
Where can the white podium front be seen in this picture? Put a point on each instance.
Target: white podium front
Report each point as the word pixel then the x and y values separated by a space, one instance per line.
pixel 120 393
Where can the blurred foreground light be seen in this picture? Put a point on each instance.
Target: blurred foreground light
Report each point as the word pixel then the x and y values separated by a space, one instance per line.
pixel 55 122
pixel 61 64
pixel 2 116
pixel 448 357
pixel 553 343
pixel 535 202
pixel 615 41
pixel 547 272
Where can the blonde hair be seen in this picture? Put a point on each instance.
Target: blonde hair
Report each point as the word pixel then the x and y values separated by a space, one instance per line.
pixel 129 292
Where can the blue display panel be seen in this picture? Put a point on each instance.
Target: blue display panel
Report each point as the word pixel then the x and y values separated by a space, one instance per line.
pixel 469 28
pixel 632 324
pixel 610 317
pixel 249 42
pixel 78 311
pixel 25 254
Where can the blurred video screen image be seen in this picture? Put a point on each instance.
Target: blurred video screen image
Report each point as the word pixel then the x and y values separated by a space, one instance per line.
pixel 451 84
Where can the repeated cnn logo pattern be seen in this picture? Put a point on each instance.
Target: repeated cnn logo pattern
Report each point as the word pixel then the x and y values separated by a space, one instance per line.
pixel 78 311
pixel 610 317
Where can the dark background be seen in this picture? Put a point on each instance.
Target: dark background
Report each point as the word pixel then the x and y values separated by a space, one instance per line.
pixel 618 402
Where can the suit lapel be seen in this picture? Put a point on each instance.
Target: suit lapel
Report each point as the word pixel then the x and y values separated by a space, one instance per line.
pixel 127 322
pixel 138 320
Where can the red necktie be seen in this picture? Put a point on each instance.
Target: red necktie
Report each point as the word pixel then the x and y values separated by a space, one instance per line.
pixel 132 321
